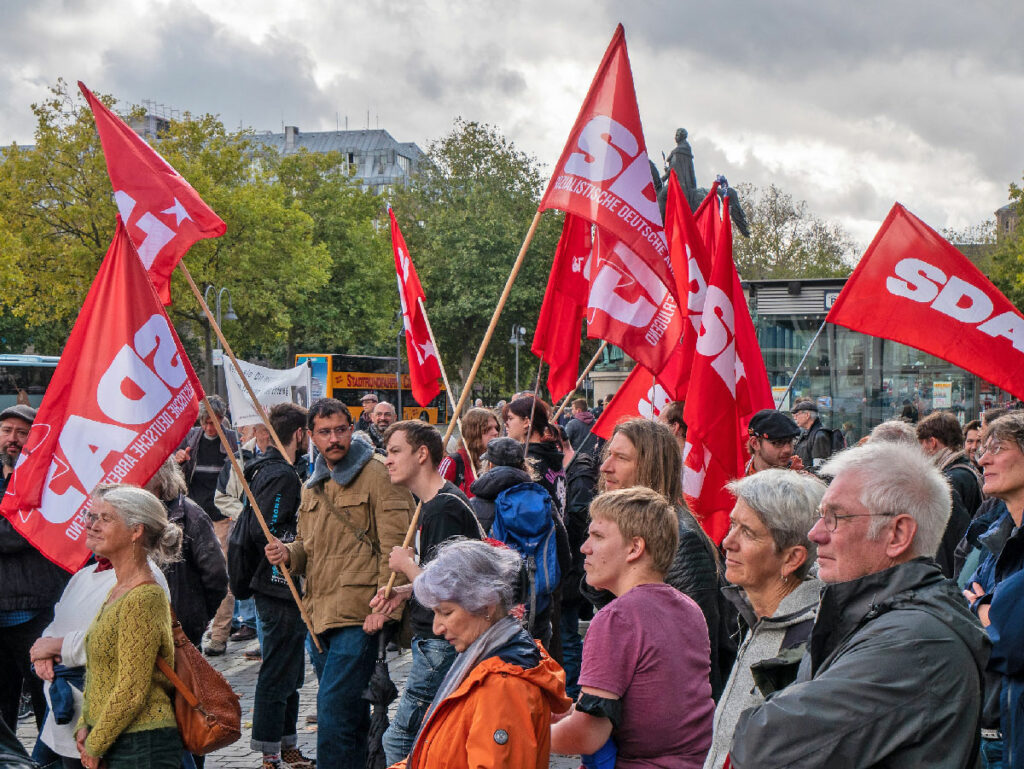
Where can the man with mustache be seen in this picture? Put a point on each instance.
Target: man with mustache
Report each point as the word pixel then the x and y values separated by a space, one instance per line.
pixel 350 518
pixel 29 585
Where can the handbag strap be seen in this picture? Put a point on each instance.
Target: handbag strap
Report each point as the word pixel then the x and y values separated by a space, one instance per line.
pixel 180 685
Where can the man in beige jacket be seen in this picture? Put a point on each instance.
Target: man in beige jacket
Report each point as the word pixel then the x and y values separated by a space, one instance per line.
pixel 350 518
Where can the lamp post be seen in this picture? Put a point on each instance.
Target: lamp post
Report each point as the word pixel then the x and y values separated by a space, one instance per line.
pixel 217 355
pixel 517 341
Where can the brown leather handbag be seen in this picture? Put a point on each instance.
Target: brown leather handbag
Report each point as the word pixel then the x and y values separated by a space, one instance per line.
pixel 207 710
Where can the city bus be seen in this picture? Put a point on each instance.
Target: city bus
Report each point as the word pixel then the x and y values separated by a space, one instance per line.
pixel 349 377
pixel 27 376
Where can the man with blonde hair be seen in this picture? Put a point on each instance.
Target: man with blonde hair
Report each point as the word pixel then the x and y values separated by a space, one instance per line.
pixel 646 651
pixel 893 673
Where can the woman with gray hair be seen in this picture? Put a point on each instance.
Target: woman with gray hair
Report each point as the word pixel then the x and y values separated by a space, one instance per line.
pixel 768 560
pixel 494 706
pixel 128 715
pixel 199 579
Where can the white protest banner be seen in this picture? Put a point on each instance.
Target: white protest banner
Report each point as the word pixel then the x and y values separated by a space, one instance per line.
pixel 272 386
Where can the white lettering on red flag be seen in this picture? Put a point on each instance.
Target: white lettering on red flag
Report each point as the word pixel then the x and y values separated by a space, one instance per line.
pixel 728 385
pixel 121 399
pixel 915 288
pixel 424 365
pixel 164 216
pixel 604 174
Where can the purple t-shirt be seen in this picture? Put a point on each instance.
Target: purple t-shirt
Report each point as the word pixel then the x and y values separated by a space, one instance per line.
pixel 650 647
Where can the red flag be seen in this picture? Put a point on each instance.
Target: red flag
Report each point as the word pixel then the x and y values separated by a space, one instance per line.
pixel 728 385
pixel 163 214
pixel 121 399
pixel 629 306
pixel 913 287
pixel 424 366
pixel 692 263
pixel 557 338
pixel 604 174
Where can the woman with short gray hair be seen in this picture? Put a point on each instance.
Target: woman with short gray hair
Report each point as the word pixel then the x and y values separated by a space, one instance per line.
pixel 494 706
pixel 768 560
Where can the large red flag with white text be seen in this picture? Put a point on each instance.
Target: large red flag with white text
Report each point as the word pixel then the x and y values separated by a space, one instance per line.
pixel 163 214
pixel 121 399
pixel 915 288
pixel 557 338
pixel 727 386
pixel 604 175
pixel 424 365
pixel 643 391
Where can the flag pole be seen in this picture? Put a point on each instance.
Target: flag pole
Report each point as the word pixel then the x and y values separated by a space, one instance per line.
pixel 231 354
pixel 533 407
pixel 262 521
pixel 583 375
pixel 468 384
pixel 447 387
pixel 800 365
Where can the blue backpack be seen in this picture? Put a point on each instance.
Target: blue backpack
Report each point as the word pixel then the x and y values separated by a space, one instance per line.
pixel 523 520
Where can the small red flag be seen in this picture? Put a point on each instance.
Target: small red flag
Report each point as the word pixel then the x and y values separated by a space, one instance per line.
pixel 728 385
pixel 604 175
pixel 915 288
pixel 557 338
pixel 163 214
pixel 121 399
pixel 424 365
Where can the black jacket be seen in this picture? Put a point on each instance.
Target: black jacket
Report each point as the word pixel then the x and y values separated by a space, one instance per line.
pixel 199 581
pixel 546 460
pixel 581 488
pixel 277 488
pixel 28 580
pixel 814 446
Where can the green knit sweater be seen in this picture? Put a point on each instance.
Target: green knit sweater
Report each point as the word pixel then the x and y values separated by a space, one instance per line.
pixel 124 692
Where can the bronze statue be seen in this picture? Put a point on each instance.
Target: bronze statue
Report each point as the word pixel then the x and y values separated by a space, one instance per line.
pixel 680 160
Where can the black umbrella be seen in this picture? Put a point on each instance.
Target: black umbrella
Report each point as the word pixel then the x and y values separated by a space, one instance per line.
pixel 380 692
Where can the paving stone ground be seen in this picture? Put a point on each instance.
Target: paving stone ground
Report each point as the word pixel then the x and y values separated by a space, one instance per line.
pixel 241 673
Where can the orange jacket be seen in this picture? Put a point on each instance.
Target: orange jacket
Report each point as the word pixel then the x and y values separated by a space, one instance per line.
pixel 499 717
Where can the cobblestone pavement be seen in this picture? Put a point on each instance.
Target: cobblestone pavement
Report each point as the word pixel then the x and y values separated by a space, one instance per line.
pixel 241 673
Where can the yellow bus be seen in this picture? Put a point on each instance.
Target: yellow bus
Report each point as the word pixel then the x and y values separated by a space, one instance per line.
pixel 349 377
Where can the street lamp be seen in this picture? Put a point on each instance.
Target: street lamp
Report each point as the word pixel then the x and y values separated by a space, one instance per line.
pixel 517 341
pixel 219 360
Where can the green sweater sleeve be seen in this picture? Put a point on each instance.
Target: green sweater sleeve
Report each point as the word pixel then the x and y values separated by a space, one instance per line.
pixel 132 634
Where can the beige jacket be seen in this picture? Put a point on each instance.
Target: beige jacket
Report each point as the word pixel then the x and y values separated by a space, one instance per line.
pixel 345 535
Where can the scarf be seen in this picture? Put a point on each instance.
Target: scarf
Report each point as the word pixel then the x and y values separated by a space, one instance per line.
pixel 359 453
pixel 487 643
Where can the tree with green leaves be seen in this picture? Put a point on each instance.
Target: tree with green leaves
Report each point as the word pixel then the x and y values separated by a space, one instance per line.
pixel 787 240
pixel 464 218
pixel 57 218
pixel 1007 259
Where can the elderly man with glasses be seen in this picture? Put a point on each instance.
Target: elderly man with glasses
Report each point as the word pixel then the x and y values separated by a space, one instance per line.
pixel 893 672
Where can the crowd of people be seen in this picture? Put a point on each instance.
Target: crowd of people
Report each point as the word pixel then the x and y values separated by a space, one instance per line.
pixel 863 609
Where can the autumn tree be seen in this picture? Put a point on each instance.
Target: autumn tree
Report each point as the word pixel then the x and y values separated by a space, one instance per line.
pixel 787 240
pixel 464 219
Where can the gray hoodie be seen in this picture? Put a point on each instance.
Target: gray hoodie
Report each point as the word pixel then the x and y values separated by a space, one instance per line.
pixel 891 678
pixel 762 643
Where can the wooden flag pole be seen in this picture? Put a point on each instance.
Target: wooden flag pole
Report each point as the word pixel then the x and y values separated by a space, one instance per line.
pixel 583 375
pixel 234 360
pixel 447 387
pixel 262 521
pixel 468 385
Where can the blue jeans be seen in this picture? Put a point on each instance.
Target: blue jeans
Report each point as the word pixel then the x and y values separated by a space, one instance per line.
pixel 992 754
pixel 245 612
pixel 316 659
pixel 343 715
pixel 431 660
pixel 572 647
pixel 276 702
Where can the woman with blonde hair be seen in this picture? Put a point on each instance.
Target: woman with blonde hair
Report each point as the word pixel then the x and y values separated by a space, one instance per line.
pixel 128 715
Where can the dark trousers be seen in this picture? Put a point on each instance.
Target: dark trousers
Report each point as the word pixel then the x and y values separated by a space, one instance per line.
pixel 276 703
pixel 346 665
pixel 15 669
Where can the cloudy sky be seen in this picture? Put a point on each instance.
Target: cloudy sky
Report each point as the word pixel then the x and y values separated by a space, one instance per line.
pixel 849 106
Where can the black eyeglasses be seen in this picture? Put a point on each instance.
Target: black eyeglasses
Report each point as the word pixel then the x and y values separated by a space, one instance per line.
pixel 832 520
